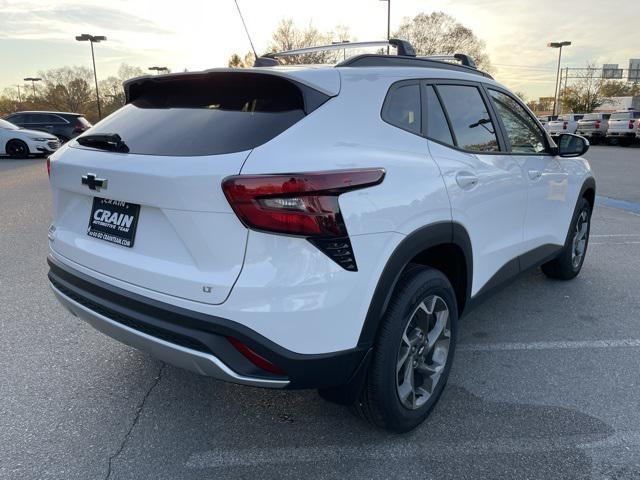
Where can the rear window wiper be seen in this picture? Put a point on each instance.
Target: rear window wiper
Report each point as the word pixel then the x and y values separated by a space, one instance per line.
pixel 104 141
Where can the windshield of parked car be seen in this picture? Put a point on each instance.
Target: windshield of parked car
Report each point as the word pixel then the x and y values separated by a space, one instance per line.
pixel 8 125
pixel 621 116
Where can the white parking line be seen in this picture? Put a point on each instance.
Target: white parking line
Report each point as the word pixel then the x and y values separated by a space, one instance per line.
pixel 488 347
pixel 617 235
pixel 401 448
pixel 613 243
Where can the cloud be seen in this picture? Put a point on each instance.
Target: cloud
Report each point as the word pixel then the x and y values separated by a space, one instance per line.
pixel 24 20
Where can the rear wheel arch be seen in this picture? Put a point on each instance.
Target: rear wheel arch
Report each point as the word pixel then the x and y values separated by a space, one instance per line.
pixel 588 191
pixel 445 246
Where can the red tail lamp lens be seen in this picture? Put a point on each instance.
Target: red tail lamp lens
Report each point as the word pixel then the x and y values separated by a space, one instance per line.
pixel 303 204
pixel 258 360
pixel 597 124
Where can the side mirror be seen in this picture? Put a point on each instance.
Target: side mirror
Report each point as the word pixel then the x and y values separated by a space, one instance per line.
pixel 570 145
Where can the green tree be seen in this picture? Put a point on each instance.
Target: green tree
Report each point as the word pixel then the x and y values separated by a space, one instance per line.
pixel 440 34
pixel 617 88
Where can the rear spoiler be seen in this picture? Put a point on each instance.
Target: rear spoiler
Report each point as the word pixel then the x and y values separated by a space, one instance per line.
pixel 313 97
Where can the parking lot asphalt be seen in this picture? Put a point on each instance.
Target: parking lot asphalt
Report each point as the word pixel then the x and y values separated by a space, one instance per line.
pixel 545 385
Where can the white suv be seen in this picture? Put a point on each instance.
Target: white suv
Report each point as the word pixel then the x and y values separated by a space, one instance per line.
pixel 307 227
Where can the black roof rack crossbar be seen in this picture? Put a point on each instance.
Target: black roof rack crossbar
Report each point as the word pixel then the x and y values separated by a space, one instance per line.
pixel 403 47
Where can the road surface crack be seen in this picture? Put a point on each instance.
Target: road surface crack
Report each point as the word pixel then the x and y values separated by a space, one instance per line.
pixel 136 418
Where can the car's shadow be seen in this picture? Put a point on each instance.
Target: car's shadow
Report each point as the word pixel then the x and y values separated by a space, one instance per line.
pixel 192 425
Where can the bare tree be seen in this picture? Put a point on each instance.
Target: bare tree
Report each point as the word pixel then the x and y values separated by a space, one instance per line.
pixel 438 33
pixel 68 89
pixel 584 95
pixel 288 36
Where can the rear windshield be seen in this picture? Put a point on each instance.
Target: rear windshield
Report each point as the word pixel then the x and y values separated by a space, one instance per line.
pixel 621 116
pixel 205 114
pixel 592 116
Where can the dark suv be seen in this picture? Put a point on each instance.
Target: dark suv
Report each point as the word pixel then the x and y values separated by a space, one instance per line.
pixel 63 125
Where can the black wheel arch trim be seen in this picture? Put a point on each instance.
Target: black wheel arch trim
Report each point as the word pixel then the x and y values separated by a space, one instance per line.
pixel 433 235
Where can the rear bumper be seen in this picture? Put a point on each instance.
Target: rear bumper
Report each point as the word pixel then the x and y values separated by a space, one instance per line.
pixel 590 133
pixel 621 134
pixel 195 341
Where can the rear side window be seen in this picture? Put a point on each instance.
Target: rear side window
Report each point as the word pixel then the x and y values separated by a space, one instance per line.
pixel 437 126
pixel 470 120
pixel 522 131
pixel 82 121
pixel 205 114
pixel 402 108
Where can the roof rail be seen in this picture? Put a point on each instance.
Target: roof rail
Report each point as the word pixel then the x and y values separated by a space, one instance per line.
pixel 403 47
pixel 465 60
pixel 371 60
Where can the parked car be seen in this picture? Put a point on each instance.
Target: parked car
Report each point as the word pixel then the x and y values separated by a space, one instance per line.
pixel 63 125
pixel 567 123
pixel 593 126
pixel 623 126
pixel 20 143
pixel 314 227
pixel 545 119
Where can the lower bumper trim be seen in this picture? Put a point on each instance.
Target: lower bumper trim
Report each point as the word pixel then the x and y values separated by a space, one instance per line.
pixel 193 360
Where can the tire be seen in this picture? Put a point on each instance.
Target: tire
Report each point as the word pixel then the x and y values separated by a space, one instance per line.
pixel 17 149
pixel 568 263
pixel 384 401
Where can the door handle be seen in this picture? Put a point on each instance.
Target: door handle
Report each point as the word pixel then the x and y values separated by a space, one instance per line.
pixel 535 174
pixel 466 180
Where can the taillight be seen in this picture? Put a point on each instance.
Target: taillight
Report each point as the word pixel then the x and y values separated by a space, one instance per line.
pixel 631 122
pixel 565 125
pixel 303 204
pixel 255 358
pixel 597 125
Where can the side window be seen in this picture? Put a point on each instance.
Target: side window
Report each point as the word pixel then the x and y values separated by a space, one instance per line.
pixel 522 131
pixel 50 118
pixel 402 108
pixel 30 118
pixel 470 119
pixel 437 126
pixel 19 118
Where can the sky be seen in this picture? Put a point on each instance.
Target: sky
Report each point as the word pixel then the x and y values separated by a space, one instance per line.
pixel 192 34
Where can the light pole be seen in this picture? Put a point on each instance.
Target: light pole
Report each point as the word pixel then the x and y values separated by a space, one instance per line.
pixel 159 69
pixel 388 21
pixel 93 39
pixel 33 81
pixel 558 45
pixel 19 95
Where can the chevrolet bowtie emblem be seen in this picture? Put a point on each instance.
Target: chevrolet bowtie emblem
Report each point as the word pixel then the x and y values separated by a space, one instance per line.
pixel 94 183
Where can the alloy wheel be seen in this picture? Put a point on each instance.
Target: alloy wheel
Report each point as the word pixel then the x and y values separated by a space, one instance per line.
pixel 423 352
pixel 579 244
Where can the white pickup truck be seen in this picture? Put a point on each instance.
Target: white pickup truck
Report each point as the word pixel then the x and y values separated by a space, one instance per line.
pixel 567 123
pixel 623 126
